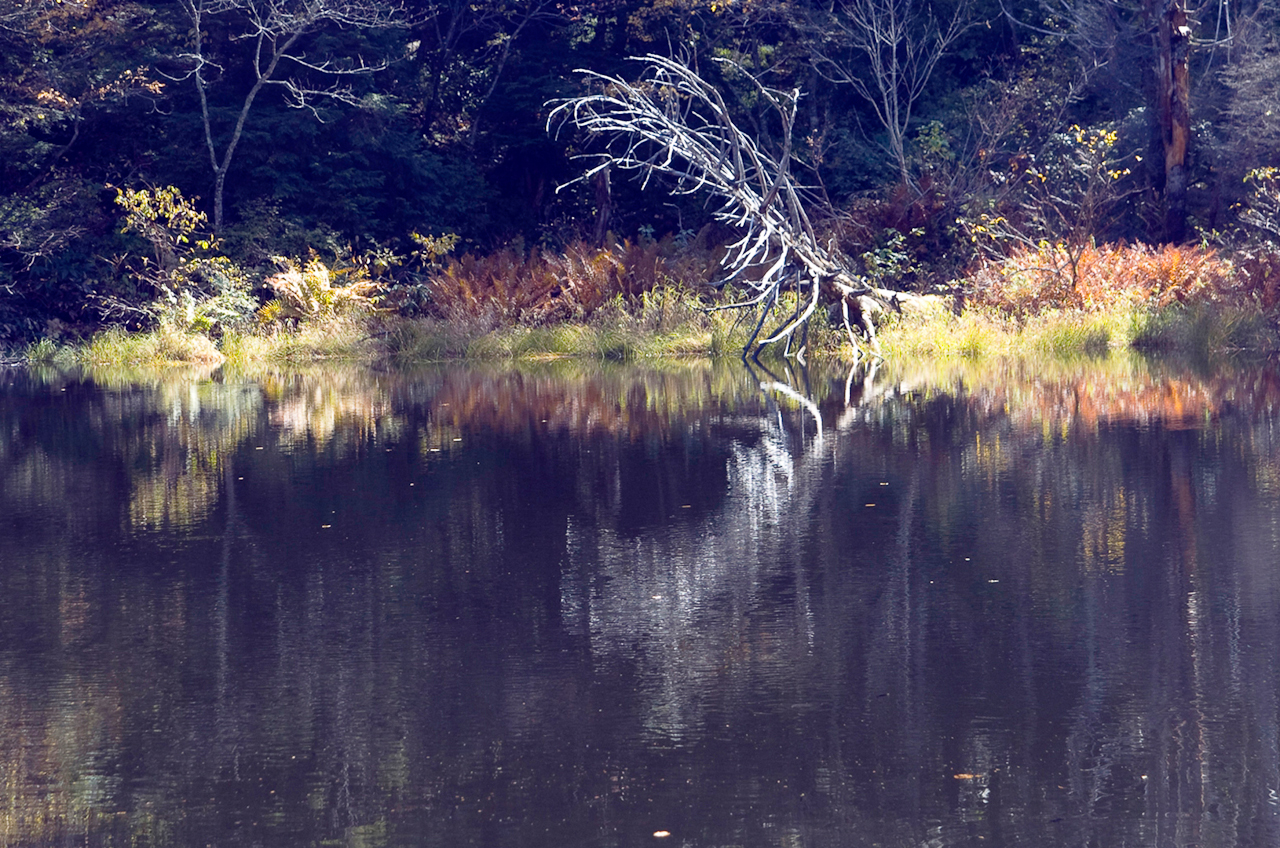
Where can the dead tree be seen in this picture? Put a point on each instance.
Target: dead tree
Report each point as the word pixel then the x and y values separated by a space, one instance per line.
pixel 674 124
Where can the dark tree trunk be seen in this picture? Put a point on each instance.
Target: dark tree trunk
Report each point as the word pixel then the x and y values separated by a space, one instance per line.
pixel 604 205
pixel 1173 93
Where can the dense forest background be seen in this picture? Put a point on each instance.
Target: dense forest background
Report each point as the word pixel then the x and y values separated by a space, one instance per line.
pixel 390 134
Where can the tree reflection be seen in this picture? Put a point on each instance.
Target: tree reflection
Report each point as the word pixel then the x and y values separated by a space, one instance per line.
pixel 1033 605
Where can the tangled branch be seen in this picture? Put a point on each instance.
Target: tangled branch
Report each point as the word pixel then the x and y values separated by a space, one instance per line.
pixel 674 124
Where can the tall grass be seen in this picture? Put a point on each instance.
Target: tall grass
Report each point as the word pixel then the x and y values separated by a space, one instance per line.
pixel 342 338
pixel 166 345
pixel 660 322
pixel 1178 299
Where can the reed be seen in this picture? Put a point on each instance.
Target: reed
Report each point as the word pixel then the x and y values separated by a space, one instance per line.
pixel 48 352
pixel 166 345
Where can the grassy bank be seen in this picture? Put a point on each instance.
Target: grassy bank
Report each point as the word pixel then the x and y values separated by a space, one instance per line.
pixel 1033 304
pixel 1053 301
pixel 975 334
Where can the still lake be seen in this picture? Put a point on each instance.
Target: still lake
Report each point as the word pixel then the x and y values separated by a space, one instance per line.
pixel 683 604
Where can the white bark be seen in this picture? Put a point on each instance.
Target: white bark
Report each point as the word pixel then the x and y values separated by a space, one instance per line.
pixel 674 124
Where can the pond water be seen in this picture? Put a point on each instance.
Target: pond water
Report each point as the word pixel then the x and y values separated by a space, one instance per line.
pixel 684 605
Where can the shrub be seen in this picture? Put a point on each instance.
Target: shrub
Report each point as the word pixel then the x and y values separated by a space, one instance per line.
pixel 308 293
pixel 1030 280
pixel 198 289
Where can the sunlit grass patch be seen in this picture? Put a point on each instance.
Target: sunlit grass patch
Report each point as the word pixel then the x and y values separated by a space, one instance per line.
pixel 569 339
pixel 1204 329
pixel 48 352
pixel 348 338
pixel 1071 333
pixel 166 345
pixel 974 334
pixel 426 339
pixel 660 322
pixel 980 333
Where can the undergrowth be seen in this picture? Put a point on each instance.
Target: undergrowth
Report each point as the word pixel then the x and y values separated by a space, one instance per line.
pixel 1030 281
pixel 1187 299
pixel 629 301
pixel 512 288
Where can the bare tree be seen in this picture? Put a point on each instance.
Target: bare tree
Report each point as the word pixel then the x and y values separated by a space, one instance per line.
pixel 672 123
pixel 887 50
pixel 274 29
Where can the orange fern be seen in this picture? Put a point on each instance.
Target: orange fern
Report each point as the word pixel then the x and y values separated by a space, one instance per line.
pixel 1032 280
pixel 541 287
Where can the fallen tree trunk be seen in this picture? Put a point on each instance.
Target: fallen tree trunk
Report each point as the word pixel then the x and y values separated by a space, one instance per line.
pixel 674 124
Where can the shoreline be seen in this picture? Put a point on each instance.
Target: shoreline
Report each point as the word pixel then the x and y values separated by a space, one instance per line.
pixel 975 334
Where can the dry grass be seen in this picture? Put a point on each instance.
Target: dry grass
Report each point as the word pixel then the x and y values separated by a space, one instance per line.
pixel 1186 299
pixel 1032 281
pixel 509 287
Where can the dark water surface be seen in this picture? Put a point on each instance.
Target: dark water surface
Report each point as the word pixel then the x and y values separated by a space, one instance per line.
pixel 558 606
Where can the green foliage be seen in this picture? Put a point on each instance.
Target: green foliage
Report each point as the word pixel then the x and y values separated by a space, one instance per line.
pixel 165 219
pixel 197 289
pixel 1262 213
pixel 165 345
pixel 46 352
pixel 432 249
pixel 889 261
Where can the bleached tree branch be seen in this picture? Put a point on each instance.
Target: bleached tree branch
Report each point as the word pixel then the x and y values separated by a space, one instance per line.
pixel 674 124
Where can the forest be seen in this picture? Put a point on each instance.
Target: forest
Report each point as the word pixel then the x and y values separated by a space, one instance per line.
pixel 197 158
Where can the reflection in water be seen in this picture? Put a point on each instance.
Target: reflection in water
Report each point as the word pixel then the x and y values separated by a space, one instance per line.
pixel 560 605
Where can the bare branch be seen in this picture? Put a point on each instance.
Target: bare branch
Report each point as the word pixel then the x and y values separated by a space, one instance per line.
pixel 275 27
pixel 672 123
pixel 886 50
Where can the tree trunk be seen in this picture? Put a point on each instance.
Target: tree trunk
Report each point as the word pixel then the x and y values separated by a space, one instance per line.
pixel 1173 91
pixel 604 204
